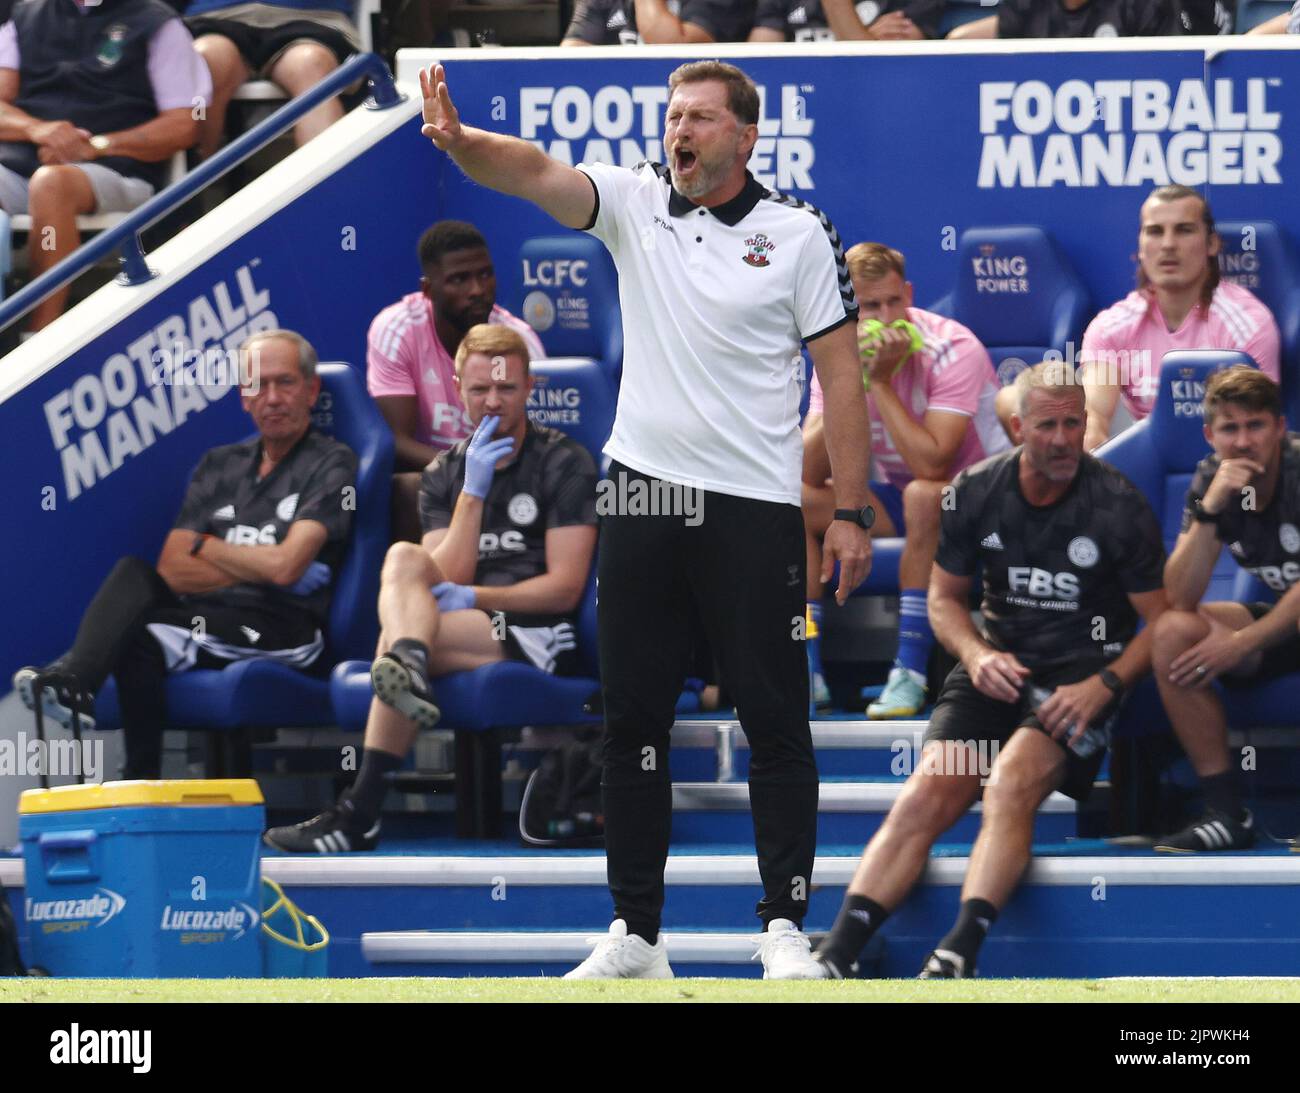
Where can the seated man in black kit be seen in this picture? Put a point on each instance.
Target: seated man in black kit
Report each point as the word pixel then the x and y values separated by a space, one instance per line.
pixel 509 520
pixel 244 573
pixel 1245 496
pixel 1071 557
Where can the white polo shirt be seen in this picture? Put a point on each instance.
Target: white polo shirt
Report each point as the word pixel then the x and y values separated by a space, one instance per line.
pixel 715 305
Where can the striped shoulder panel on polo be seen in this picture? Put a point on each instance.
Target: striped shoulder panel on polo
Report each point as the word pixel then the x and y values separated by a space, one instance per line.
pixel 837 245
pixel 1124 315
pixel 661 169
pixel 1240 323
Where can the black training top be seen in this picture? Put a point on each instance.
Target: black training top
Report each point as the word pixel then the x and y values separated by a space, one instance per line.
pixel 1096 19
pixel 1056 577
pixel 552 484
pixel 805 20
pixel 315 481
pixel 1265 543
pixel 613 22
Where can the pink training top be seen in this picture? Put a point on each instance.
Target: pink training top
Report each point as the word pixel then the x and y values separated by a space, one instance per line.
pixel 1131 338
pixel 405 356
pixel 952 374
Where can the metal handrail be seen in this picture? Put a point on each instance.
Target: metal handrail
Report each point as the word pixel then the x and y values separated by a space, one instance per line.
pixel 135 270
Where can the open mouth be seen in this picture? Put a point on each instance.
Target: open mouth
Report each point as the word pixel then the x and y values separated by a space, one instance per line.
pixel 683 160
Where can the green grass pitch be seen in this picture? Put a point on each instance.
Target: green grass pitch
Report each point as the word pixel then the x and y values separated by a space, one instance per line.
pixel 678 990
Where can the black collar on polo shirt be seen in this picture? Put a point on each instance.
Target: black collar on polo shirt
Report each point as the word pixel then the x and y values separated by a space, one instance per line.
pixel 730 212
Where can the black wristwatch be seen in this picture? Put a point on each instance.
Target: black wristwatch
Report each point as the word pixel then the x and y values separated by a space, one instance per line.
pixel 1200 515
pixel 863 517
pixel 1113 682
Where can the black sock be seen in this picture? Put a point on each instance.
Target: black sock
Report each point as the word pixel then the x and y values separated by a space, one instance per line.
pixel 968 932
pixel 858 919
pixel 646 931
pixel 1221 793
pixel 367 793
pixel 412 653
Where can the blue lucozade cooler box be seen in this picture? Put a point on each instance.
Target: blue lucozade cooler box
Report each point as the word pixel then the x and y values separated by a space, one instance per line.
pixel 144 879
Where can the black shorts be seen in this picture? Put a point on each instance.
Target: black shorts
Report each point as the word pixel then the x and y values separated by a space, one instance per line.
pixel 964 714
pixel 259 47
pixel 548 642
pixel 1278 660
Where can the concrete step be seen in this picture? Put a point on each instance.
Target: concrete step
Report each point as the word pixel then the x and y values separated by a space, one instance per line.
pixel 848 811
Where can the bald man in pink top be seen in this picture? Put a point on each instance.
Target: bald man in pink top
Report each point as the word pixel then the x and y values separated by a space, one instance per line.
pixel 411 350
pixel 1179 303
pixel 930 419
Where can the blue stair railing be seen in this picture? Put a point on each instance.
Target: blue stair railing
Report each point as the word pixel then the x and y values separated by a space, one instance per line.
pixel 135 270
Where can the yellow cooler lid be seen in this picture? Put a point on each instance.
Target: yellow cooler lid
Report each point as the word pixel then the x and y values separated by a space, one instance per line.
pixel 197 791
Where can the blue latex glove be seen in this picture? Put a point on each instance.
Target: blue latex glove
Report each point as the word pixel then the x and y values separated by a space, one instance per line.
pixel 453 597
pixel 481 457
pixel 316 577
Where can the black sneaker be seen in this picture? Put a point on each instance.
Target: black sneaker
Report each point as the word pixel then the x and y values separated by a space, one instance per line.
pixel 942 964
pixel 1213 831
pixel 337 830
pixel 56 696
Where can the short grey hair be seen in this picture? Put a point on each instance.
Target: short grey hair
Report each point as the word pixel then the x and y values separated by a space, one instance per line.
pixel 308 359
pixel 1057 378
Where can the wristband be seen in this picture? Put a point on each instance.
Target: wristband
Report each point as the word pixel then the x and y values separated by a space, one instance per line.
pixel 1112 681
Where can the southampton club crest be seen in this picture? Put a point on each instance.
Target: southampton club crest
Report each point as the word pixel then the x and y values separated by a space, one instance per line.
pixel 759 249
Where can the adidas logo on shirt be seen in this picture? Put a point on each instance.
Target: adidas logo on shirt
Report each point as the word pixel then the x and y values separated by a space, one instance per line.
pixel 226 512
pixel 992 542
pixel 253 636
pixel 799 15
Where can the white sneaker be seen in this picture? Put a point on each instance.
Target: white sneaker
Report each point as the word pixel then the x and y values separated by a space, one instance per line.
pixel 620 955
pixel 787 953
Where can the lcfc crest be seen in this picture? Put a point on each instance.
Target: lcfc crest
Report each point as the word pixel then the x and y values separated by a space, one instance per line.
pixel 759 248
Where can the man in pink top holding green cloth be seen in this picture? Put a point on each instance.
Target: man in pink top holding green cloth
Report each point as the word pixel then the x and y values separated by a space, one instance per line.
pixel 932 414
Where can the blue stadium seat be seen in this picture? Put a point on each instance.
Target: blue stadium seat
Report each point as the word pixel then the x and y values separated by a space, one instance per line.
pixel 571 395
pixel 259 693
pixel 957 13
pixel 568 293
pixel 1159 455
pixel 578 400
pixel 1250 13
pixel 1019 294
pixel 1258 256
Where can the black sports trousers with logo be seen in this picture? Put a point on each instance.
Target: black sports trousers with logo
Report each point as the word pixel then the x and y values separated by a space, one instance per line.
pixel 114 639
pixel 743 566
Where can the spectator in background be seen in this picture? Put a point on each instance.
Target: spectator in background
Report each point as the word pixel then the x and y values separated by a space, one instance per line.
pixel 411 355
pixel 1180 303
pixel 253 553
pixel 1100 19
pixel 845 21
pixel 273 40
pixel 509 522
pixel 932 415
pixel 94 100
pixel 658 22
pixel 1286 23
